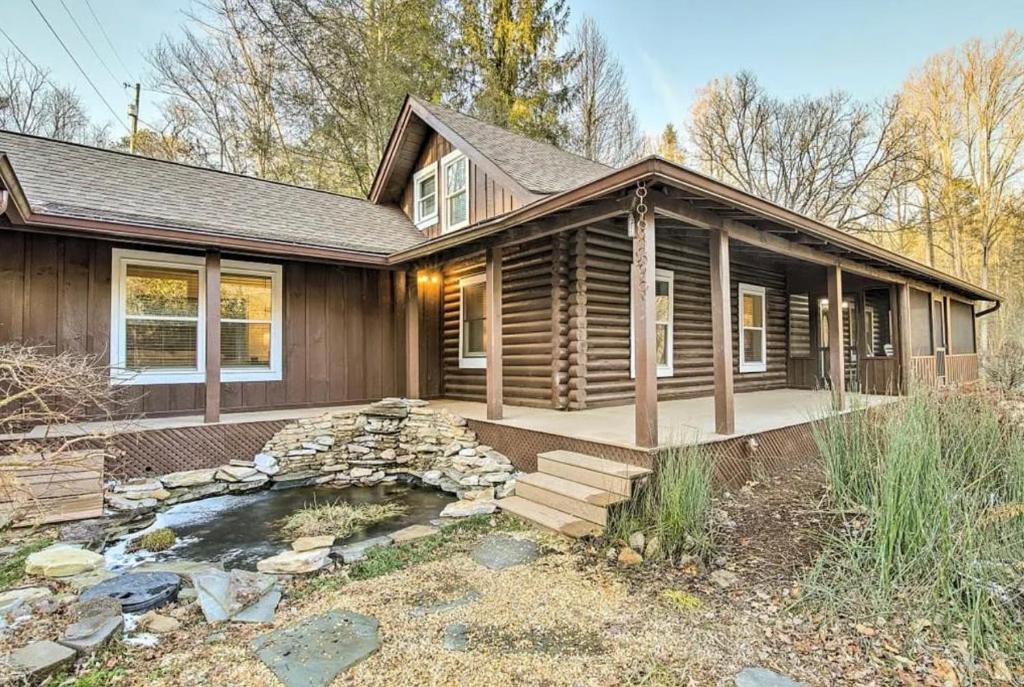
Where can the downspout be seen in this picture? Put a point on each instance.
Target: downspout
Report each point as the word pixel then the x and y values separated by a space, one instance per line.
pixel 988 311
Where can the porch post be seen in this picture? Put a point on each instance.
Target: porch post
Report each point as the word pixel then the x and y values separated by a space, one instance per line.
pixel 721 331
pixel 492 311
pixel 644 335
pixel 904 349
pixel 412 335
pixel 212 407
pixel 837 371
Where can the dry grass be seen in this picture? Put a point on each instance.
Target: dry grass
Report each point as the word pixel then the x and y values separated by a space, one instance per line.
pixel 340 518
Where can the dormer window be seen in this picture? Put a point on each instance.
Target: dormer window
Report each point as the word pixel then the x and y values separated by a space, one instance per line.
pixel 425 197
pixel 455 173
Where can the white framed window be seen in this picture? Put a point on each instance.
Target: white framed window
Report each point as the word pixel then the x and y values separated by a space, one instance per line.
pixel 424 191
pixel 455 178
pixel 158 319
pixel 664 335
pixel 753 339
pixel 472 322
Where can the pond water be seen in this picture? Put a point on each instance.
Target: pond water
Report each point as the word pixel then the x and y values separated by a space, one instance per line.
pixel 239 531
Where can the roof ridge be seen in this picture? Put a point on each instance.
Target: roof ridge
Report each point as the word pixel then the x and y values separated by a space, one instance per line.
pixel 510 131
pixel 185 165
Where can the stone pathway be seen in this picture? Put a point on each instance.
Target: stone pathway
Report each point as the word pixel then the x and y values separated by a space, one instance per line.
pixel 499 551
pixel 312 653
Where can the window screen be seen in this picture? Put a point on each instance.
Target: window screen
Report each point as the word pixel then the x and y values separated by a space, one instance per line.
pixel 878 316
pixel 961 324
pixel 920 322
pixel 799 325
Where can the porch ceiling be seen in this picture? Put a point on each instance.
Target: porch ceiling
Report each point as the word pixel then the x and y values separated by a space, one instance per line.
pixel 680 422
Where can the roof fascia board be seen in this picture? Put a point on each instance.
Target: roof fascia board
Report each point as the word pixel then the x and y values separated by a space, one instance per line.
pixel 388 159
pixel 17 206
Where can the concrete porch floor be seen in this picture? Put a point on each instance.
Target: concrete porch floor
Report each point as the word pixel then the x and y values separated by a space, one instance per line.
pixel 680 422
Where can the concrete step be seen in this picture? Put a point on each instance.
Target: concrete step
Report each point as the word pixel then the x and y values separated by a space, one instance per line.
pixel 606 475
pixel 548 518
pixel 574 498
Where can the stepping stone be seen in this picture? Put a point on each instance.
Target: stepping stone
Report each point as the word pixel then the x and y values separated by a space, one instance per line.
pixel 762 677
pixel 444 606
pixel 238 595
pixel 39 659
pixel 98 620
pixel 295 562
pixel 137 592
pixel 62 560
pixel 465 509
pixel 313 653
pixel 188 478
pixel 413 532
pixel 17 602
pixel 497 552
pixel 352 553
pixel 456 637
pixel 311 543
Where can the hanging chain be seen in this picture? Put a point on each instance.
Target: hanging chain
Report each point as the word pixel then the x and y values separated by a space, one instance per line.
pixel 641 206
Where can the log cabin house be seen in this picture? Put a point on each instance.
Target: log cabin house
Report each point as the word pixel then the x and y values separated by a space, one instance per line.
pixel 555 302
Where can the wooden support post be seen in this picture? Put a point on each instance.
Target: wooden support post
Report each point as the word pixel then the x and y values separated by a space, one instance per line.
pixel 721 332
pixel 412 334
pixel 492 310
pixel 904 347
pixel 212 407
pixel 644 335
pixel 836 354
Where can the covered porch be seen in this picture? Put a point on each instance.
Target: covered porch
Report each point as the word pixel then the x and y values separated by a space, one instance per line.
pixel 680 422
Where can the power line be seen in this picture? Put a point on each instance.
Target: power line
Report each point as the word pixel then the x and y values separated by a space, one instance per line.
pixel 56 35
pixel 22 53
pixel 89 42
pixel 106 37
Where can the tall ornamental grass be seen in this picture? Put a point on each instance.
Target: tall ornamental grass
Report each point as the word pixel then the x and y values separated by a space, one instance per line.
pixel 931 497
pixel 675 505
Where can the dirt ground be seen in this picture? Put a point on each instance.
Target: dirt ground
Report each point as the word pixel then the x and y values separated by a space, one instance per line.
pixel 574 617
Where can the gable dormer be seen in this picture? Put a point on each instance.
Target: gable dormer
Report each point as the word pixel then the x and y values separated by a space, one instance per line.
pixel 447 170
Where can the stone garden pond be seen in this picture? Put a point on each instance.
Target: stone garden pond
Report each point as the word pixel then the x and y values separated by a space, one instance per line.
pixel 237 531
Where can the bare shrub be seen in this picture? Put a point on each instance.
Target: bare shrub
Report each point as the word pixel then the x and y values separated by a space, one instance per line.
pixel 1005 368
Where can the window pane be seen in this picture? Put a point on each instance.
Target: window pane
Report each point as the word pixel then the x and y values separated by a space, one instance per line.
pixel 455 176
pixel 458 209
pixel 428 206
pixel 752 310
pixel 473 319
pixel 753 346
pixel 162 291
pixel 661 344
pixel 160 344
pixel 661 302
pixel 427 187
pixel 244 344
pixel 245 297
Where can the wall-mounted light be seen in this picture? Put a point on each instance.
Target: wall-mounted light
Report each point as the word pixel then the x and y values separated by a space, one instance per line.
pixel 428 277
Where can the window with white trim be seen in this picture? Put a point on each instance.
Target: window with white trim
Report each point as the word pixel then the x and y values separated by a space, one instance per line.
pixel 753 332
pixel 455 177
pixel 664 307
pixel 472 322
pixel 424 191
pixel 158 319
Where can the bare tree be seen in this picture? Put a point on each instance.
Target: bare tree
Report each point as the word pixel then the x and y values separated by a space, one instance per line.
pixel 818 156
pixel 31 104
pixel 602 123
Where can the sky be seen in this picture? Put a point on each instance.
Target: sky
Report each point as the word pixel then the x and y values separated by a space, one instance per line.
pixel 669 49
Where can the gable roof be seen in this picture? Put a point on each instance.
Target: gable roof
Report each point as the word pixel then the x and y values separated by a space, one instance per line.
pixel 535 167
pixel 94 184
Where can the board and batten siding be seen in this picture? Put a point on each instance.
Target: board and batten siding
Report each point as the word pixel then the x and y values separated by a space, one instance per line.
pixel 342 340
pixel 488 198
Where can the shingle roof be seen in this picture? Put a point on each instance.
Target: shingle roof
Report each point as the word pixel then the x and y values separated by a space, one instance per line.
pixel 71 180
pixel 539 167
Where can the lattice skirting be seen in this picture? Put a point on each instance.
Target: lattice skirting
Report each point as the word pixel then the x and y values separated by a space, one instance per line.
pixel 159 451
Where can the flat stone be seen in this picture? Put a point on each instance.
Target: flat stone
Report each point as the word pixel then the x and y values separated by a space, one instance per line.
pixel 158 624
pixel 762 677
pixel 138 591
pixel 140 484
pixel 309 543
pixel 262 611
pixel 181 568
pixel 294 479
pixel 91 534
pixel 122 503
pixel 351 553
pixel 413 532
pixel 295 562
pixel 498 551
pixel 62 560
pixel 314 652
pixel 85 580
pixel 99 619
pixel 360 472
pixel 469 597
pixel 229 595
pixel 188 478
pixel 39 659
pixel 432 477
pixel 234 473
pixel 15 602
pixel 465 509
pixel 456 637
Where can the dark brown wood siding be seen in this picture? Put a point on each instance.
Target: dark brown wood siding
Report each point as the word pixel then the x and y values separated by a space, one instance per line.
pixel 342 339
pixel 487 197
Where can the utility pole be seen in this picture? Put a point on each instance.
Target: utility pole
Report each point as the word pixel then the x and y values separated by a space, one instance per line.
pixel 133 116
